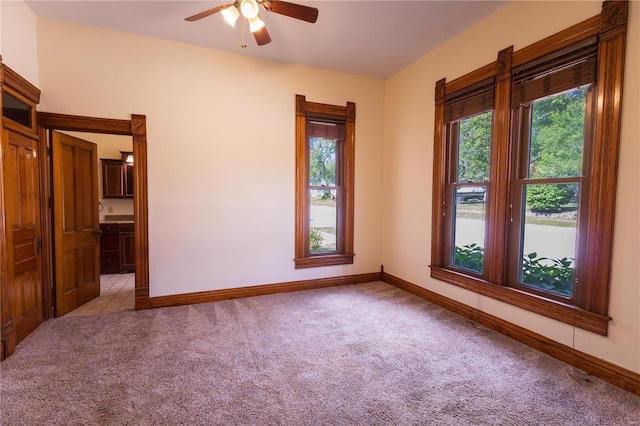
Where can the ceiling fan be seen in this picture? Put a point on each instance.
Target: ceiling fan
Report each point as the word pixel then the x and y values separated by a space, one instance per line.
pixel 250 10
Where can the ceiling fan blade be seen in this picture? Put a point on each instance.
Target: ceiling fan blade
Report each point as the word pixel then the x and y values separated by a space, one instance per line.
pixel 262 36
pixel 206 13
pixel 292 10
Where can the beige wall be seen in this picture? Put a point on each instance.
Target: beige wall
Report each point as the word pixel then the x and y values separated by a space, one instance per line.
pixel 221 150
pixel 18 43
pixel 408 158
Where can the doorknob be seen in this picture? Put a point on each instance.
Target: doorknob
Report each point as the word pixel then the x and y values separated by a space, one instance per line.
pixel 97 234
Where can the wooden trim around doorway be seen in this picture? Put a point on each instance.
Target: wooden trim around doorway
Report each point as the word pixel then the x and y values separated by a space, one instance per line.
pixel 137 128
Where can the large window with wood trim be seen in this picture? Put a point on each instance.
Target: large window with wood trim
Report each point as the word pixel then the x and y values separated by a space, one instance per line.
pixel 325 138
pixel 525 169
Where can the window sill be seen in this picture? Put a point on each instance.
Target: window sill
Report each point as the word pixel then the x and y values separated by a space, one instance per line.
pixel 550 308
pixel 323 260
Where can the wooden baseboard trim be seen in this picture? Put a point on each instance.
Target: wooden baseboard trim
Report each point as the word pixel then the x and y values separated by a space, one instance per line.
pixel 616 375
pixel 259 290
pixel 142 298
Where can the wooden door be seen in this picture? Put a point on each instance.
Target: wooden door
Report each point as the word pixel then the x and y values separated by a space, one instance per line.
pixel 22 210
pixel 76 222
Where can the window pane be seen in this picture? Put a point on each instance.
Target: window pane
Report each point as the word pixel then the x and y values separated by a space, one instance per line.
pixel 474 142
pixel 324 219
pixel 557 135
pixel 322 162
pixel 16 110
pixel 549 237
pixel 468 228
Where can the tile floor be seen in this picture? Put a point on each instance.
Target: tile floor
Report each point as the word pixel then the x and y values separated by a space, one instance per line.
pixel 116 294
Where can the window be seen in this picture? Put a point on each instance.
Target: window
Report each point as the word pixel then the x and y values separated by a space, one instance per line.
pixel 469 117
pixel 325 140
pixel 524 173
pixel 16 110
pixel 553 115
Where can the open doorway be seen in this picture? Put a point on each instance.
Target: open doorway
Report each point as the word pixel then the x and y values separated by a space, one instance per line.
pixel 134 131
pixel 116 237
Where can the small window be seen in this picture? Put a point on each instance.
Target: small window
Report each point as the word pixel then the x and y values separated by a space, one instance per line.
pixel 16 110
pixel 324 184
pixel 326 147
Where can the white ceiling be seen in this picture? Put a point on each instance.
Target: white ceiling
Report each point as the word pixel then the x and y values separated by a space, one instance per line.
pixel 370 38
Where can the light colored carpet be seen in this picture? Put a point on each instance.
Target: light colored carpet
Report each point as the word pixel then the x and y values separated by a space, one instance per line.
pixel 361 354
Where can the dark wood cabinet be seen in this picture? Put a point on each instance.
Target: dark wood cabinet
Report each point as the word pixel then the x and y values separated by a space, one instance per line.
pixel 127 175
pixel 127 248
pixel 109 248
pixel 111 178
pixel 117 248
pixel 117 176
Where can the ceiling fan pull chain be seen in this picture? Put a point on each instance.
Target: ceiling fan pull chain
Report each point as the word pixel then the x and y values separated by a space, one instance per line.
pixel 244 34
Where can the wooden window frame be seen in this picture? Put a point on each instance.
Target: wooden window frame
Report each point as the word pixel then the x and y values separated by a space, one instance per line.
pixel 591 312
pixel 344 254
pixel 452 184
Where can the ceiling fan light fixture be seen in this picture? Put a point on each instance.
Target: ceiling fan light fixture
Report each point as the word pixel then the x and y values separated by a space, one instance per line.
pixel 255 24
pixel 231 14
pixel 249 9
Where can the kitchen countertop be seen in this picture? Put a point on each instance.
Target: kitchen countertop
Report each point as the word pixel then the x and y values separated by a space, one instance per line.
pixel 118 218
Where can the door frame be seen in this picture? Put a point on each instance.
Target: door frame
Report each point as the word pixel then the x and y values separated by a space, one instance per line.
pixel 137 128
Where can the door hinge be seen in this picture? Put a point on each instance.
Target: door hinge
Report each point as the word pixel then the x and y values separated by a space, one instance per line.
pixel 49 151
